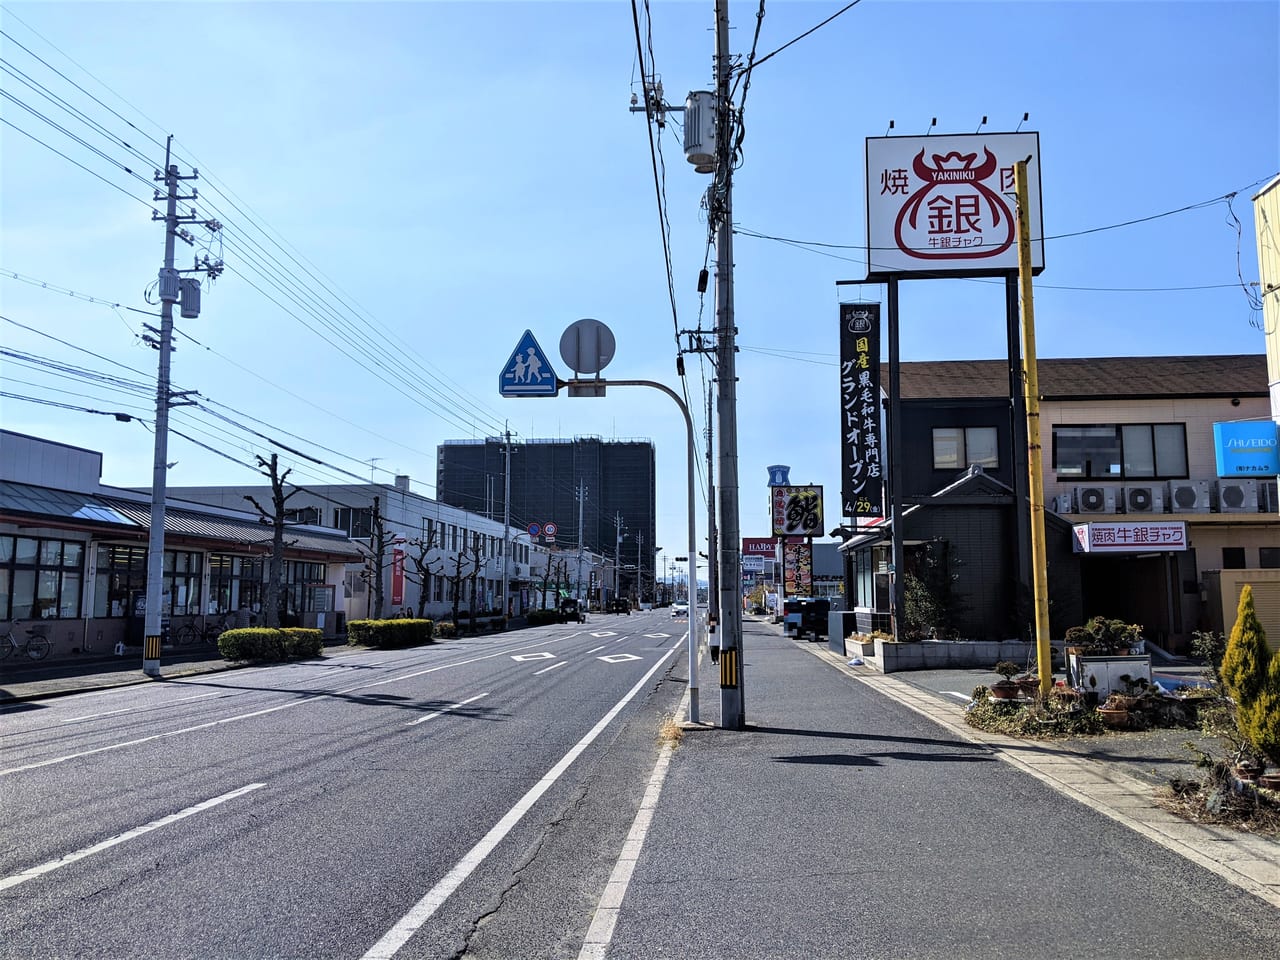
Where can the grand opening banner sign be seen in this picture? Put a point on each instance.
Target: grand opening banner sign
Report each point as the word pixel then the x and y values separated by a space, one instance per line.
pixel 861 467
pixel 944 205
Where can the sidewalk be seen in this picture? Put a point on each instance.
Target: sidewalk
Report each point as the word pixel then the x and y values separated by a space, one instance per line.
pixel 1115 775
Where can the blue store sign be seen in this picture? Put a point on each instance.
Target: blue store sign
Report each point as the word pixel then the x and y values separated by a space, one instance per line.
pixel 1246 448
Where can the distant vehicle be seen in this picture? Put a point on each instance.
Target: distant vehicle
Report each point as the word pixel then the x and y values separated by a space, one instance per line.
pixel 571 609
pixel 679 609
pixel 620 605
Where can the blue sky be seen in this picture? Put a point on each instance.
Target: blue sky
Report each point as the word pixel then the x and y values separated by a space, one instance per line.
pixel 428 180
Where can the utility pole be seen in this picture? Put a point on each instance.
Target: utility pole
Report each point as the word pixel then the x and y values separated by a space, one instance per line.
pixel 732 693
pixel 617 555
pixel 581 494
pixel 713 580
pixel 173 289
pixel 506 521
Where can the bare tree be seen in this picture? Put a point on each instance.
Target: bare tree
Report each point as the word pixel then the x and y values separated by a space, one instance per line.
pixel 375 561
pixel 275 569
pixel 457 571
pixel 418 571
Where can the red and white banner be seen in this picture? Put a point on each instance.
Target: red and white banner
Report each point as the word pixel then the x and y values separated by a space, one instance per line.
pixel 397 577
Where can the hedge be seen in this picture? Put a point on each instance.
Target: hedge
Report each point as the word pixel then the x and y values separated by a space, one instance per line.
pixel 270 643
pixel 388 634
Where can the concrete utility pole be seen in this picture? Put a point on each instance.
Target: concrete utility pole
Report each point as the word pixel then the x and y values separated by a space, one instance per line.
pixel 172 289
pixel 581 494
pixel 506 522
pixel 713 581
pixel 732 693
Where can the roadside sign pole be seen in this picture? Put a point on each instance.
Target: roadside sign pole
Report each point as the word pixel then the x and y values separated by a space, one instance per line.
pixel 597 387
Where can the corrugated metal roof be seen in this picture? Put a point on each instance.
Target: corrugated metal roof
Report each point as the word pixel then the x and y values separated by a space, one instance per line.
pixel 1085 378
pixel 67 506
pixel 246 532
pixel 63 505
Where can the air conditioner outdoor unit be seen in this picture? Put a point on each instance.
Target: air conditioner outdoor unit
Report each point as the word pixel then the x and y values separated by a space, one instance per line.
pixel 1269 496
pixel 1144 500
pixel 1189 496
pixel 1238 496
pixel 1062 503
pixel 1096 499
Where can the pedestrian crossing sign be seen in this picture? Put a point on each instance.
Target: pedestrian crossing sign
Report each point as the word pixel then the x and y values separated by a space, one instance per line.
pixel 528 373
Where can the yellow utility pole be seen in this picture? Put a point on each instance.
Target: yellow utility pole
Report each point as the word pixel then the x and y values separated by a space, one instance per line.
pixel 1031 393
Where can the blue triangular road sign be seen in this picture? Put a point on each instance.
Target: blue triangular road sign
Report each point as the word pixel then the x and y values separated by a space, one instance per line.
pixel 528 373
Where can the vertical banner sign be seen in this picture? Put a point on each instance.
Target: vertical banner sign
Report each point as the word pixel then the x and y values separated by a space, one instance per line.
pixel 797 567
pixel 397 577
pixel 861 474
pixel 797 511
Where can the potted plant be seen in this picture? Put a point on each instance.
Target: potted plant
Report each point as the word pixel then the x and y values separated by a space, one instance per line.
pixel 1115 711
pixel 1005 688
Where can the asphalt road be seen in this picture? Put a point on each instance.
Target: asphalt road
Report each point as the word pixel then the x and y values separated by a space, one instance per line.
pixel 372 804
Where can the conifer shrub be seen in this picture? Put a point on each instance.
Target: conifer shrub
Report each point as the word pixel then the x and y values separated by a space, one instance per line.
pixel 1244 665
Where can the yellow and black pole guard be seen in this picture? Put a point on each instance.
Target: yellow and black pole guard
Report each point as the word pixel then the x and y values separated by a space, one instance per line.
pixel 151 648
pixel 729 667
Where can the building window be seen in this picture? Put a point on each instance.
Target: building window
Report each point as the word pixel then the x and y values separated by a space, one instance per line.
pixel 1233 558
pixel 182 582
pixel 357 521
pixel 309 515
pixel 1129 450
pixel 122 572
pixel 236 583
pixel 1269 558
pixel 957 448
pixel 304 589
pixel 40 579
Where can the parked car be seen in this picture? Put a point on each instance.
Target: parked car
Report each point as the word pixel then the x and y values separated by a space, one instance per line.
pixel 571 609
pixel 679 609
pixel 620 605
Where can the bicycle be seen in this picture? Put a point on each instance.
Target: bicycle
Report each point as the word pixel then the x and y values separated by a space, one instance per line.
pixel 205 635
pixel 36 645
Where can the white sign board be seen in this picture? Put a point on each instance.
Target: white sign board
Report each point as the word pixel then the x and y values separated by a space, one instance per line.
pixel 1137 537
pixel 945 204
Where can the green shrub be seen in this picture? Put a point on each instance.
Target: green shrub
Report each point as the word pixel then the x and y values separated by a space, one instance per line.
pixel 446 628
pixel 538 618
pixel 1244 665
pixel 389 634
pixel 1262 722
pixel 253 643
pixel 1100 635
pixel 302 642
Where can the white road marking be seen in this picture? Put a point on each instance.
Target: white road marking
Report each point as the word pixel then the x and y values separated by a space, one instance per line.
pixel 657 636
pixel 422 911
pixel 600 933
pixel 432 716
pixel 604 633
pixel 618 657
pixel 562 663
pixel 594 649
pixel 109 713
pixel 955 693
pixel 52 865
pixel 257 713
pixel 521 658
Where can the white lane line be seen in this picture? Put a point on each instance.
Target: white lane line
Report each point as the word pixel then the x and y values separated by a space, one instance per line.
pixel 63 861
pixel 562 663
pixel 155 736
pixel 432 716
pixel 955 693
pixel 594 649
pixel 421 912
pixel 246 716
pixel 168 703
pixel 600 933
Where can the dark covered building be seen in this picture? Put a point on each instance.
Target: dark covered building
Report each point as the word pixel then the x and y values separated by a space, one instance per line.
pixel 609 484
